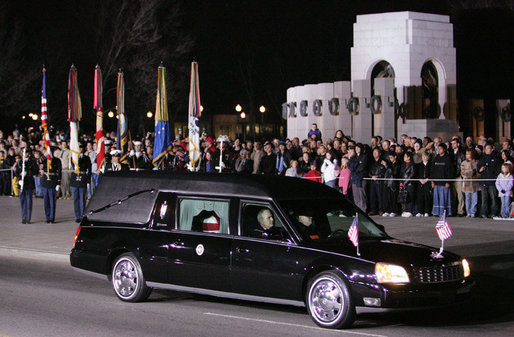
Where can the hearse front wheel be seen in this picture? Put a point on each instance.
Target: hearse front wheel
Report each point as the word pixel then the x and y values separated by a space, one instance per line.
pixel 329 302
pixel 127 279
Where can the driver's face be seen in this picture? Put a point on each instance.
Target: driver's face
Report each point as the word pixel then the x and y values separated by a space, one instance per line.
pixel 267 220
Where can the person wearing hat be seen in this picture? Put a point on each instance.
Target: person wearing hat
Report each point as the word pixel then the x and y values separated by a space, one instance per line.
pixel 115 164
pixel 138 159
pixel 50 184
pixel 442 168
pixel 26 169
pixel 80 177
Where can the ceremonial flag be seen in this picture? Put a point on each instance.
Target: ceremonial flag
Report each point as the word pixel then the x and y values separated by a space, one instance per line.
pixel 194 119
pixel 44 122
pixel 353 232
pixel 122 140
pixel 74 116
pixel 443 229
pixel 100 147
pixel 162 139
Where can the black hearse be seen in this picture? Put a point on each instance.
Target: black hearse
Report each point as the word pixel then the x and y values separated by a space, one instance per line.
pixel 259 238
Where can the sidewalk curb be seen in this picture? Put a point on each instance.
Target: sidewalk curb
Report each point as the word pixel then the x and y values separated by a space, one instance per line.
pixel 34 254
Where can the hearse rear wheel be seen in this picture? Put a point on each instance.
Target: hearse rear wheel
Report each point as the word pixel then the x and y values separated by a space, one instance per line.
pixel 329 301
pixel 127 279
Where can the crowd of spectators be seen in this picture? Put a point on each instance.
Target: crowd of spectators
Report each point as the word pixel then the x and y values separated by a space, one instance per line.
pixel 406 177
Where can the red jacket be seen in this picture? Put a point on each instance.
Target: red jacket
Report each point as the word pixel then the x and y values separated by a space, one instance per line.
pixel 313 175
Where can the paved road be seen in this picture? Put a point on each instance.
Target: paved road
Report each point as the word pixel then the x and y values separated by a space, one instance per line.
pixel 41 296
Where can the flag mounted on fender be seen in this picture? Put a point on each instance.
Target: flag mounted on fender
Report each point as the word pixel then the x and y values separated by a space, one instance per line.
pixel 353 232
pixel 443 229
pixel 162 139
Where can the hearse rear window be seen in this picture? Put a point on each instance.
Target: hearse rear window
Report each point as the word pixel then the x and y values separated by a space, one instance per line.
pixel 203 215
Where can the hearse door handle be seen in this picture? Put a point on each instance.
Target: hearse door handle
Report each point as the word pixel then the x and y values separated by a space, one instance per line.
pixel 240 250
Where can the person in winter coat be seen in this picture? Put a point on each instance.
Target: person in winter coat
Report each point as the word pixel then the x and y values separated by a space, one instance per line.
pixel 407 172
pixel 304 164
pixel 489 167
pixel 377 170
pixel 330 170
pixel 442 169
pixel 390 188
pixel 313 174
pixel 344 176
pixel 424 187
pixel 357 166
pixel 470 188
pixel 504 183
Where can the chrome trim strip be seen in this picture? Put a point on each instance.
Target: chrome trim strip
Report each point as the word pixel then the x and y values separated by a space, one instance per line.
pixel 91 273
pixel 225 294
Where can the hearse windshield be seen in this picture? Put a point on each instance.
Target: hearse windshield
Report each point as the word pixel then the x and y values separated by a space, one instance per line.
pixel 328 219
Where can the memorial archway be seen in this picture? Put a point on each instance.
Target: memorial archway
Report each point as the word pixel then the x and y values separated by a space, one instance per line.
pixel 430 91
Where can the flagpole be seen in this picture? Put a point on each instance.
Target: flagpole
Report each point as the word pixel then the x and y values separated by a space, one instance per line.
pixel 442 241
pixel 357 222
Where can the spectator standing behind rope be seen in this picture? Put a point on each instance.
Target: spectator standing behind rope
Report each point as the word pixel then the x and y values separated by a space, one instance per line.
pixel 470 188
pixel 390 188
pixel 356 165
pixel 503 184
pixel 489 167
pixel 458 156
pixel 407 172
pixel 442 169
pixel 424 187
pixel 377 170
pixel 330 170
pixel 313 174
pixel 267 164
pixel 257 156
pixel 344 176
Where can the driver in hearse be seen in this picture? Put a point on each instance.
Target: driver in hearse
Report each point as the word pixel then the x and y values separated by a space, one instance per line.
pixel 306 227
pixel 267 228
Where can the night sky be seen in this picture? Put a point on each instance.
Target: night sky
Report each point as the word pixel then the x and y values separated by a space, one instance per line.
pixel 249 52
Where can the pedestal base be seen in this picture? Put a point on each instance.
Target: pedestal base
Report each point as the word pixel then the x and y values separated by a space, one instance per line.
pixel 432 128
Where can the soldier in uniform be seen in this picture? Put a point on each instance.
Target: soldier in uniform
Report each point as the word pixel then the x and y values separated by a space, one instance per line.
pixel 50 184
pixel 27 184
pixel 138 159
pixel 108 147
pixel 79 181
pixel 115 164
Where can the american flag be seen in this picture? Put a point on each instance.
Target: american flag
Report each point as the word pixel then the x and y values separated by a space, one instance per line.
pixel 353 232
pixel 44 122
pixel 443 229
pixel 100 146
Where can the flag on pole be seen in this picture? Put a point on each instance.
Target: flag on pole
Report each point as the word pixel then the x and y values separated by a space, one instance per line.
pixel 74 116
pixel 122 138
pixel 443 229
pixel 100 147
pixel 194 119
pixel 353 232
pixel 44 122
pixel 162 139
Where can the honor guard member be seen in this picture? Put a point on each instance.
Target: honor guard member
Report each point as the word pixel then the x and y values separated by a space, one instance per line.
pixel 26 169
pixel 138 159
pixel 50 184
pixel 108 148
pixel 79 181
pixel 115 164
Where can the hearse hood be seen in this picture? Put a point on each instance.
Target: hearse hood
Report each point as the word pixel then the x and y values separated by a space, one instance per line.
pixel 387 250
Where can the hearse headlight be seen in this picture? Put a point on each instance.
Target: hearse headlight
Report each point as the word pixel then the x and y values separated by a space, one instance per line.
pixel 465 268
pixel 390 273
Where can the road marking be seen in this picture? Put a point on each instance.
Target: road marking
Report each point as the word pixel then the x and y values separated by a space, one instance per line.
pixel 291 324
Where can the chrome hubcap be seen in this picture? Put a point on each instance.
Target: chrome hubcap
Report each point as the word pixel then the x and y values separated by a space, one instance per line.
pixel 326 300
pixel 125 278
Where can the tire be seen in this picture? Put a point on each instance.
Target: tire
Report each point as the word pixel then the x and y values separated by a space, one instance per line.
pixel 329 301
pixel 127 279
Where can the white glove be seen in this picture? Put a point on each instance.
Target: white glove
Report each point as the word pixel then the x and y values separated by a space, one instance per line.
pixel 57 188
pixel 132 153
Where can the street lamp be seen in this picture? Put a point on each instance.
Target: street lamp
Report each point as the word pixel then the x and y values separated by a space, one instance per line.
pixel 149 114
pixel 110 114
pixel 239 108
pixel 243 115
pixel 262 109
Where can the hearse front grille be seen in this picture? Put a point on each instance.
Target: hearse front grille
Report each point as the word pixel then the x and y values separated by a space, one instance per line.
pixel 439 273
